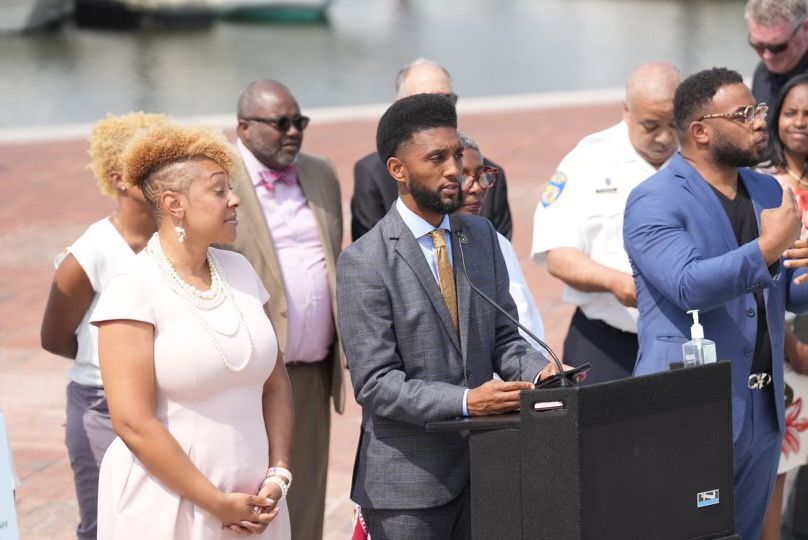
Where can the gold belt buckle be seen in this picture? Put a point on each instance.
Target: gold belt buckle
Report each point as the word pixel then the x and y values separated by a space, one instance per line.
pixel 759 381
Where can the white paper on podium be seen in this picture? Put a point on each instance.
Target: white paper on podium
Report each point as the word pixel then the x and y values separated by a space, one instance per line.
pixel 8 514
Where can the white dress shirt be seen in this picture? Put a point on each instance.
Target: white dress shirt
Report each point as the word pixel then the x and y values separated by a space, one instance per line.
pixel 420 229
pixel 582 207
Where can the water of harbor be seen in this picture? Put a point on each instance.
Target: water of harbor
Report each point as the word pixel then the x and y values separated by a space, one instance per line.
pixel 491 47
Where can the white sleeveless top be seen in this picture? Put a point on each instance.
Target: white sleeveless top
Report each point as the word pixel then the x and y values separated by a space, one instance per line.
pixel 102 253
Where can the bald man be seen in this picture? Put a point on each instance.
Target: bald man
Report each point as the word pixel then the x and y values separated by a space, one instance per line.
pixel 375 190
pixel 290 229
pixel 578 224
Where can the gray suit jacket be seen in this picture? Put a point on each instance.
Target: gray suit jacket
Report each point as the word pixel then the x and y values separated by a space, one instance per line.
pixel 408 364
pixel 254 241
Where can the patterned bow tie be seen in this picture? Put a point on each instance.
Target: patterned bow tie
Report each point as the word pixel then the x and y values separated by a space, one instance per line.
pixel 287 175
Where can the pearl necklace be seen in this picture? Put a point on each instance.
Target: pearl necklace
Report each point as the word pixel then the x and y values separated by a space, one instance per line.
pixel 209 299
pixel 196 299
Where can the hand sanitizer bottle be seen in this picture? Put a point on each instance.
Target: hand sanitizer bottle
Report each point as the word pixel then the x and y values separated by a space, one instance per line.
pixel 698 350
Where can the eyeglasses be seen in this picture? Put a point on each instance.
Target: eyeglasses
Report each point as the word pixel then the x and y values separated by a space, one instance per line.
pixel 486 177
pixel 283 123
pixel 774 48
pixel 451 96
pixel 749 114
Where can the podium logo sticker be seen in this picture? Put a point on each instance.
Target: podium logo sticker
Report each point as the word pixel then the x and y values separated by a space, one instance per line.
pixel 707 498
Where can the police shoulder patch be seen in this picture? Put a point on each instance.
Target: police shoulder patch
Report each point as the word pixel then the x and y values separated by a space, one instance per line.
pixel 554 189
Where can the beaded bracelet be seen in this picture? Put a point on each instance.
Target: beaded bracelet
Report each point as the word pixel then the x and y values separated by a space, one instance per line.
pixel 283 472
pixel 283 485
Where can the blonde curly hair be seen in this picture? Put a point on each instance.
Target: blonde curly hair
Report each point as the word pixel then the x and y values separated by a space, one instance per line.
pixel 150 158
pixel 108 140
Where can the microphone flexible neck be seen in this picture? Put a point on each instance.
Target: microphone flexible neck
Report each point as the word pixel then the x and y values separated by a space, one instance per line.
pixel 461 239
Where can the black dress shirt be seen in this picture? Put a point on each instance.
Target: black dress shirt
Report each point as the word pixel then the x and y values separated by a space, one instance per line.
pixel 741 214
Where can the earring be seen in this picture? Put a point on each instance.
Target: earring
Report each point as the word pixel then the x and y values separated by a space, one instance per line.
pixel 180 233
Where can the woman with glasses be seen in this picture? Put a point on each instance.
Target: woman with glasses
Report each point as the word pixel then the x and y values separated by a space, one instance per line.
pixel 106 248
pixel 476 181
pixel 788 154
pixel 197 388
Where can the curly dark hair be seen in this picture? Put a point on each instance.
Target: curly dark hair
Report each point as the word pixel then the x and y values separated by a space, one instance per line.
pixel 776 153
pixel 697 91
pixel 410 115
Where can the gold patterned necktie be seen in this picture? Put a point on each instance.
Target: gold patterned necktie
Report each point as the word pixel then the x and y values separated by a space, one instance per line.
pixel 445 274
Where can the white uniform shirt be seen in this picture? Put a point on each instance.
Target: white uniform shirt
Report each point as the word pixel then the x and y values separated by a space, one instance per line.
pixel 582 207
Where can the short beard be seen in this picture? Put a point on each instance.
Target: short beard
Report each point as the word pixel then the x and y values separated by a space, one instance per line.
pixel 432 201
pixel 285 160
pixel 725 153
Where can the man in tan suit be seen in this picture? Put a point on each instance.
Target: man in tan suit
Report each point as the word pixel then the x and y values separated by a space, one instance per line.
pixel 290 228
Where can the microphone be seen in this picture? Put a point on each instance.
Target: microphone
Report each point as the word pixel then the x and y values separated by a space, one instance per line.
pixel 564 380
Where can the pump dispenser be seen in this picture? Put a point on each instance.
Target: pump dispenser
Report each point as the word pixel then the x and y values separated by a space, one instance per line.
pixel 698 350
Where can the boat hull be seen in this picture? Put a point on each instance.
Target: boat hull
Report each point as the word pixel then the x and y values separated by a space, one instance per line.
pixel 22 15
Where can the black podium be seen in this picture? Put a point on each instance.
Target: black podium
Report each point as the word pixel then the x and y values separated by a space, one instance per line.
pixel 645 457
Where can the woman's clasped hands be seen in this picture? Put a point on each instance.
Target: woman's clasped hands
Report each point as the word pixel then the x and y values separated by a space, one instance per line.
pixel 249 515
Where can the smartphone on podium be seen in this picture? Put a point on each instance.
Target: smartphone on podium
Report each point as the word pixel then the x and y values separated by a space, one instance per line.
pixel 554 381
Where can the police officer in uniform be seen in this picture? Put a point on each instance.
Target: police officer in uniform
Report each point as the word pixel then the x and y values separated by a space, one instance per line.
pixel 578 224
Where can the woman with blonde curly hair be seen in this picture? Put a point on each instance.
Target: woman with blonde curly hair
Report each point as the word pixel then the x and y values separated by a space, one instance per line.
pixel 197 389
pixel 106 248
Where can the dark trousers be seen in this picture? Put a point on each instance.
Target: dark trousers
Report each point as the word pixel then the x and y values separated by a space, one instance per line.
pixel 452 521
pixel 88 433
pixel 756 455
pixel 611 352
pixel 311 392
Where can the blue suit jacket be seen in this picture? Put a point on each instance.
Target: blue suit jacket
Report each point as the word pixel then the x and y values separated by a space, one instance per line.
pixel 685 256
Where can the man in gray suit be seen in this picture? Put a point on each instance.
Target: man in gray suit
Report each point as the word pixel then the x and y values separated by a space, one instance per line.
pixel 420 344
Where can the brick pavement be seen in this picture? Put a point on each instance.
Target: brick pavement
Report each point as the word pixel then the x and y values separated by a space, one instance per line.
pixel 50 197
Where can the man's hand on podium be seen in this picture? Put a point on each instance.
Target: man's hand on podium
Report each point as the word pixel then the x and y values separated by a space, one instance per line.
pixel 550 369
pixel 496 397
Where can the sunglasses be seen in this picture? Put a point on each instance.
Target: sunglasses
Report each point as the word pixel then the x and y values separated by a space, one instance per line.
pixel 774 48
pixel 749 114
pixel 283 123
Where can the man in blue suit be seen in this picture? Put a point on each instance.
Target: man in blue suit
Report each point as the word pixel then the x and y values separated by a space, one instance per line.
pixel 707 233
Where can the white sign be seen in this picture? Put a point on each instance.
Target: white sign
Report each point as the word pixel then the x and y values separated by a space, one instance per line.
pixel 8 514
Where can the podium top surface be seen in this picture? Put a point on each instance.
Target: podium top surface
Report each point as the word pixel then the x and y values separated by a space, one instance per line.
pixel 626 398
pixel 477 423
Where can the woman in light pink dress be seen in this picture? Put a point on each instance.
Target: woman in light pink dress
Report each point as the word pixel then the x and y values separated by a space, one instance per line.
pixel 197 391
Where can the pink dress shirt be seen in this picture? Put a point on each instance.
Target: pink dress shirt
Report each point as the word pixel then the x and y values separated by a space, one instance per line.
pixel 301 256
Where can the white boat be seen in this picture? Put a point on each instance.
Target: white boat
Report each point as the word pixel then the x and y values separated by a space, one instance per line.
pixel 21 15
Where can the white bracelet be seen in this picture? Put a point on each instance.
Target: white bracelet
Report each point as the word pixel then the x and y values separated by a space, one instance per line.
pixel 283 485
pixel 283 472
